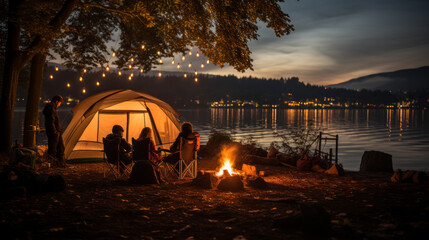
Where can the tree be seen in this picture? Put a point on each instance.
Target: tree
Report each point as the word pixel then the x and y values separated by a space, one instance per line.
pixel 220 29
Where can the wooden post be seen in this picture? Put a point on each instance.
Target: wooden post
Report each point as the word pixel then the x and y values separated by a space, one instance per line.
pixel 320 144
pixel 330 155
pixel 336 149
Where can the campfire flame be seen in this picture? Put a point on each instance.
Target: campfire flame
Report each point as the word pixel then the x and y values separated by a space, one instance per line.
pixel 227 162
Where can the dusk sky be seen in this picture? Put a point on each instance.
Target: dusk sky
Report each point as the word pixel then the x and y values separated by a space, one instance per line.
pixel 337 40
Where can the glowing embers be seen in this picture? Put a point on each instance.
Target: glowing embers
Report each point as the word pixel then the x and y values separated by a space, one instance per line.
pixel 227 159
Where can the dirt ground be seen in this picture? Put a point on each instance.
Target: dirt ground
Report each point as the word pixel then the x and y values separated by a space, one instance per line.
pixel 93 207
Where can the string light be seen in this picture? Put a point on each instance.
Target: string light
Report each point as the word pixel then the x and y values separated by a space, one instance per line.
pixel 98 83
pixel 104 75
pixel 189 65
pixel 185 75
pixel 141 70
pixel 83 90
pixel 113 54
pixel 202 65
pixel 132 59
pixel 159 74
pixel 143 46
pixel 160 60
pixel 132 75
pixel 178 66
pixel 196 80
pixel 107 68
pixel 84 70
pixel 130 66
pixel 129 78
pixel 172 62
pixel 196 73
pixel 119 73
pixel 51 76
pixel 159 53
pixel 56 68
pixel 68 84
pixel 81 79
pixel 198 54
pixel 190 53
pixel 183 58
pixel 208 61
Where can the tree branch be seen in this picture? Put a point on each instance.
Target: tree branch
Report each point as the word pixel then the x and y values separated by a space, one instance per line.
pixel 108 9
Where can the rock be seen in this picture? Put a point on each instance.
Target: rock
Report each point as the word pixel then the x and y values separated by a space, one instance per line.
pixel 304 164
pixel 419 177
pixel 289 223
pixel 205 180
pixel 261 173
pixel 258 183
pixel 407 177
pixel 144 173
pixel 374 161
pixel 249 170
pixel 286 159
pixel 317 168
pixel 231 184
pixel 315 219
pixel 272 152
pixel 252 159
pixel 397 176
pixel 335 169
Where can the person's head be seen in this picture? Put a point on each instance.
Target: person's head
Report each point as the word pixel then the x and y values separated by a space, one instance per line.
pixel 146 133
pixel 186 128
pixel 57 100
pixel 118 130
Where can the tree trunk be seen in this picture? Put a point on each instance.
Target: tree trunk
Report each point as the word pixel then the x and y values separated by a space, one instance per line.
pixel 32 108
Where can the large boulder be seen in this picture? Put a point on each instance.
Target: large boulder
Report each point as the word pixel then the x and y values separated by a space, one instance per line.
pixel 375 161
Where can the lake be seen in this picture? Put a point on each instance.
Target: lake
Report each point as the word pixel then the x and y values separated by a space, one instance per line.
pixel 403 133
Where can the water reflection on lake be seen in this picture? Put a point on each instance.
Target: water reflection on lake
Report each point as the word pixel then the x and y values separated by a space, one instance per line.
pixel 402 133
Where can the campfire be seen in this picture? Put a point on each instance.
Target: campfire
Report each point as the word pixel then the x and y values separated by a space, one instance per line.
pixel 227 160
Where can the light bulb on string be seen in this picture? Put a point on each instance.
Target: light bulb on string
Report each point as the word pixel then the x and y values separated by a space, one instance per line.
pixel 189 65
pixel 132 75
pixel 160 60
pixel 107 68
pixel 83 90
pixel 159 53
pixel 130 66
pixel 183 58
pixel 84 70
pixel 172 62
pixel 198 54
pixel 202 65
pixel 196 79
pixel 68 84
pixel 104 75
pixel 56 69
pixel 98 83
pixel 113 54
pixel 141 70
pixel 80 79
pixel 159 74
pixel 178 66
pixel 129 78
pixel 185 75
pixel 119 73
pixel 143 46
pixel 132 59
pixel 190 53
pixel 208 61
pixel 196 73
pixel 51 76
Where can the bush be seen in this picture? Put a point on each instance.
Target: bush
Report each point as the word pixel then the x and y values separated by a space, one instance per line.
pixel 217 139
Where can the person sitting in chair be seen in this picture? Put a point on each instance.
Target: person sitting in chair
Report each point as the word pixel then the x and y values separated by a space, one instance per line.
pixel 144 146
pixel 124 147
pixel 186 134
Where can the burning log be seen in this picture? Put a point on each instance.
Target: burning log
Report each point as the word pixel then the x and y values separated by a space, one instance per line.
pixel 252 159
pixel 249 170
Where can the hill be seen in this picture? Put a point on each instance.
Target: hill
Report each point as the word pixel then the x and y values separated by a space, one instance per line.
pixel 401 80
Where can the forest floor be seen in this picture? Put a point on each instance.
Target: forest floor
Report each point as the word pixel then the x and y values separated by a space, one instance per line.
pixel 92 207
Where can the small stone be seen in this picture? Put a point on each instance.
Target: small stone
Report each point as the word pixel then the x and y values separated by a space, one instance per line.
pixel 335 169
pixel 258 183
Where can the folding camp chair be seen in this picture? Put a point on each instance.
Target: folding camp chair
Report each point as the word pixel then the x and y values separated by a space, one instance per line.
pixel 111 157
pixel 187 164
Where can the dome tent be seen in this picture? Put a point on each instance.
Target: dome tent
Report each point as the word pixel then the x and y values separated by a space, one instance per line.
pixel 94 117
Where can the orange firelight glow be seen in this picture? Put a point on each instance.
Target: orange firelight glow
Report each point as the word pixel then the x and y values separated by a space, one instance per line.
pixel 227 161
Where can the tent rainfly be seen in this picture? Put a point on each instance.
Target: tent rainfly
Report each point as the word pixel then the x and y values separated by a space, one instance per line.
pixel 94 117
